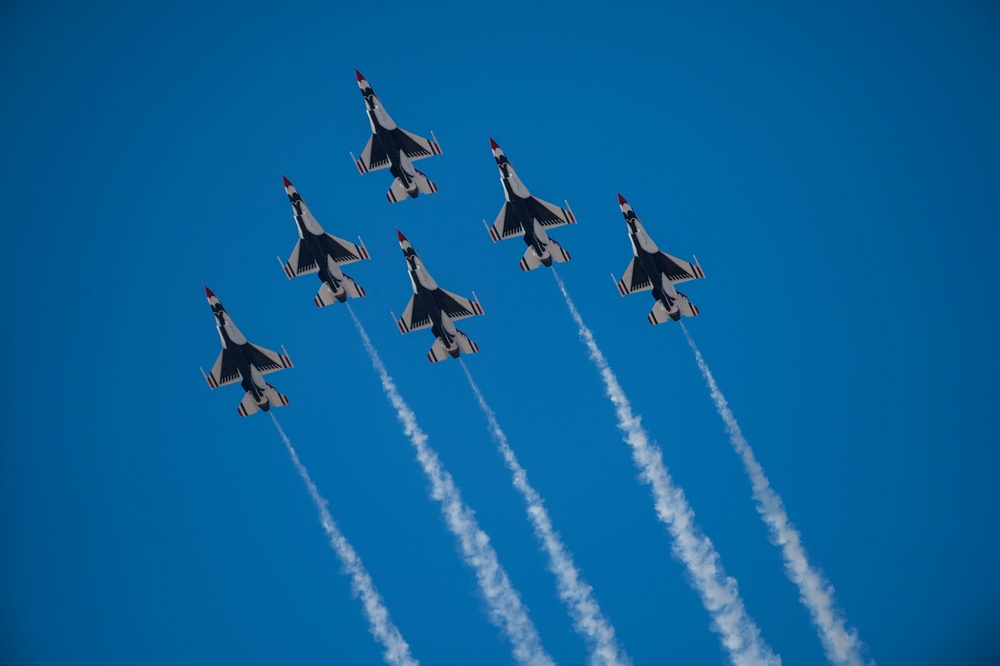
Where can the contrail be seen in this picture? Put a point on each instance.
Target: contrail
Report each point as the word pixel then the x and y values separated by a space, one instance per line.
pixel 719 592
pixel 573 590
pixel 397 652
pixel 841 644
pixel 506 609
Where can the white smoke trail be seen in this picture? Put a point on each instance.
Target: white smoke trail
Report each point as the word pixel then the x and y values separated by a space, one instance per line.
pixel 573 590
pixel 841 644
pixel 505 608
pixel 719 592
pixel 397 652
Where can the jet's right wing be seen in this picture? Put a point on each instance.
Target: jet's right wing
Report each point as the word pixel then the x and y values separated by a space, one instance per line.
pixel 373 157
pixel 507 225
pixel 342 251
pixel 457 307
pixel 223 372
pixel 549 215
pixel 678 270
pixel 301 262
pixel 635 279
pixel 415 147
pixel 266 360
pixel 415 316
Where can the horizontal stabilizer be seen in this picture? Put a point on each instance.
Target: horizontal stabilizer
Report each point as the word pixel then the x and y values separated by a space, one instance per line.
pixel 247 406
pixel 687 308
pixel 438 351
pixel 530 260
pixel 559 255
pixel 658 314
pixel 326 296
pixel 276 399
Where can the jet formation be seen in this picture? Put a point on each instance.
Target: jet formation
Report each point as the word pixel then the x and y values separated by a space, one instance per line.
pixel 430 306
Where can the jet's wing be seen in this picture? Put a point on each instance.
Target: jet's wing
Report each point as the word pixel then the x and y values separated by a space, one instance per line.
pixel 415 147
pixel 223 372
pixel 342 251
pixel 506 225
pixel 415 316
pixel 678 270
pixel 547 214
pixel 373 157
pixel 457 307
pixel 266 360
pixel 301 261
pixel 635 279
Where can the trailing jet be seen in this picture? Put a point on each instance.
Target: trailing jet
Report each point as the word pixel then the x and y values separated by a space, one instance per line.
pixel 527 216
pixel 437 308
pixel 390 146
pixel 318 251
pixel 652 269
pixel 240 361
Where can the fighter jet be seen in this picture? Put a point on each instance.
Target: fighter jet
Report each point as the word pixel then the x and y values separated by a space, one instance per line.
pixel 240 361
pixel 527 216
pixel 652 269
pixel 390 146
pixel 318 251
pixel 437 308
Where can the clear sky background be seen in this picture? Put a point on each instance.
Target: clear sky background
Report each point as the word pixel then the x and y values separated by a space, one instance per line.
pixel 834 167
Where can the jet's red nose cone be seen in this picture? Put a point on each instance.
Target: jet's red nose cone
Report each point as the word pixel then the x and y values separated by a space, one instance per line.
pixel 359 75
pixel 287 182
pixel 621 200
pixel 208 292
pixel 402 238
pixel 493 144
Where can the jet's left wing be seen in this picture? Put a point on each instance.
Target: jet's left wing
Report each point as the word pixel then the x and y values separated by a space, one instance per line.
pixel 342 251
pixel 678 270
pixel 457 307
pixel 373 157
pixel 415 316
pixel 223 372
pixel 266 360
pixel 635 279
pixel 415 147
pixel 301 262
pixel 506 225
pixel 549 215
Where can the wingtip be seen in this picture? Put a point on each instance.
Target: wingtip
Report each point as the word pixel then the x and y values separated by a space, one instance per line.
pixel 285 180
pixel 359 75
pixel 402 238
pixel 493 144
pixel 208 292
pixel 621 200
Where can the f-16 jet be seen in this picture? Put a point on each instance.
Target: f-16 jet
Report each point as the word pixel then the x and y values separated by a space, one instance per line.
pixel 437 308
pixel 320 252
pixel 240 361
pixel 527 216
pixel 656 270
pixel 390 146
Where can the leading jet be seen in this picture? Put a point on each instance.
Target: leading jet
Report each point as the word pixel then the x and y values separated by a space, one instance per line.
pixel 651 269
pixel 527 216
pixel 240 361
pixel 390 146
pixel 320 252
pixel 432 306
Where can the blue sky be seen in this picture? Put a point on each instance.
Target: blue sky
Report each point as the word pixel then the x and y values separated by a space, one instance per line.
pixel 833 167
